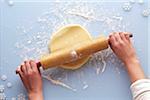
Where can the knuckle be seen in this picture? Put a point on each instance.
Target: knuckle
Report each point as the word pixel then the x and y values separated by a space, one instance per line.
pixel 115 45
pixel 30 73
pixel 34 72
pixel 121 43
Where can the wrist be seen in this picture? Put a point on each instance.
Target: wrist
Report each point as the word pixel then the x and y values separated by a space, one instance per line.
pixel 131 61
pixel 134 70
pixel 35 95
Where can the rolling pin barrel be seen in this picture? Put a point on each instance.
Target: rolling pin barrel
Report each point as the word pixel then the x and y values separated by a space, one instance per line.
pixel 65 56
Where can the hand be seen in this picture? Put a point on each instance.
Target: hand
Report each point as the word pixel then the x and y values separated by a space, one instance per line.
pixel 122 46
pixel 31 78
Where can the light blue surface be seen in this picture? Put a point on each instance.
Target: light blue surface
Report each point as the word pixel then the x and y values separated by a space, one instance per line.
pixel 107 86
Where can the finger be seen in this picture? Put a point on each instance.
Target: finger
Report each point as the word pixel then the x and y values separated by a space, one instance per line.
pixel 127 36
pixel 22 77
pixel 23 68
pixel 18 69
pixel 34 66
pixel 28 66
pixel 122 35
pixel 111 33
pixel 117 37
pixel 112 39
pixel 20 73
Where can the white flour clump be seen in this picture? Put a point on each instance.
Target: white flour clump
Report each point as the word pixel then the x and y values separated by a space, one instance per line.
pixel 4 77
pixel 104 66
pixel 21 96
pixel 2 96
pixel 29 42
pixel 127 6
pixel 9 84
pixel 85 85
pixel 141 1
pixel 132 1
pixel 2 88
pixel 83 12
pixel 10 2
pixel 146 12
pixel 74 55
pixel 13 98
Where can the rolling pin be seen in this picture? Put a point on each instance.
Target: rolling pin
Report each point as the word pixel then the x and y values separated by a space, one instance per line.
pixel 64 56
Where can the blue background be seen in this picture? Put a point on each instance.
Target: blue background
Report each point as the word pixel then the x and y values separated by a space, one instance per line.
pixel 107 86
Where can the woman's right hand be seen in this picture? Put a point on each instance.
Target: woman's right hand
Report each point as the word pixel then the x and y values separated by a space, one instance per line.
pixel 122 46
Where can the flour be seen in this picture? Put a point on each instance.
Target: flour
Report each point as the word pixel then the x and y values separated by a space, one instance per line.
pixel 2 88
pixel 141 1
pixel 104 66
pixel 57 82
pixel 2 96
pixel 100 58
pixel 33 40
pixel 85 86
pixel 74 55
pixel 4 77
pixel 13 98
pixel 9 84
pixel 132 1
pixel 127 6
pixel 146 12
pixel 21 96
pixel 10 2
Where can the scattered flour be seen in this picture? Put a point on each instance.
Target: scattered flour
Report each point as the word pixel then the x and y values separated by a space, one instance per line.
pixel 9 84
pixel 127 6
pixel 146 12
pixel 35 44
pixel 2 96
pixel 13 98
pixel 2 88
pixel 141 1
pixel 104 66
pixel 132 1
pixel 21 96
pixel 10 2
pixel 57 82
pixel 85 86
pixel 74 55
pixel 4 77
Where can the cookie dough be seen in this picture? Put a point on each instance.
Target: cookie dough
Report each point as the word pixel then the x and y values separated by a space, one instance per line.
pixel 67 38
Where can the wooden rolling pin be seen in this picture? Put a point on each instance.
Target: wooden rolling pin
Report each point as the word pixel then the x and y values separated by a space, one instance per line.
pixel 77 52
pixel 70 55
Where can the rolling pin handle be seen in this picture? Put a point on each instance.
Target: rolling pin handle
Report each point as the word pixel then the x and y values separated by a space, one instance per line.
pixel 131 35
pixel 38 64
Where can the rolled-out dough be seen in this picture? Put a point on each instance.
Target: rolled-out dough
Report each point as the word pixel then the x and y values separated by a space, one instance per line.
pixel 66 38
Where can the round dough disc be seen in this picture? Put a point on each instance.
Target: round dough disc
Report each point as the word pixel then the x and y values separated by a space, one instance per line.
pixel 67 37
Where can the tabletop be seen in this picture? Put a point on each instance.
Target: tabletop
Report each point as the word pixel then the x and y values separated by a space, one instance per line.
pixel 26 26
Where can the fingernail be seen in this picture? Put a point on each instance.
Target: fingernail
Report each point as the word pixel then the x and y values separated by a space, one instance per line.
pixel 18 69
